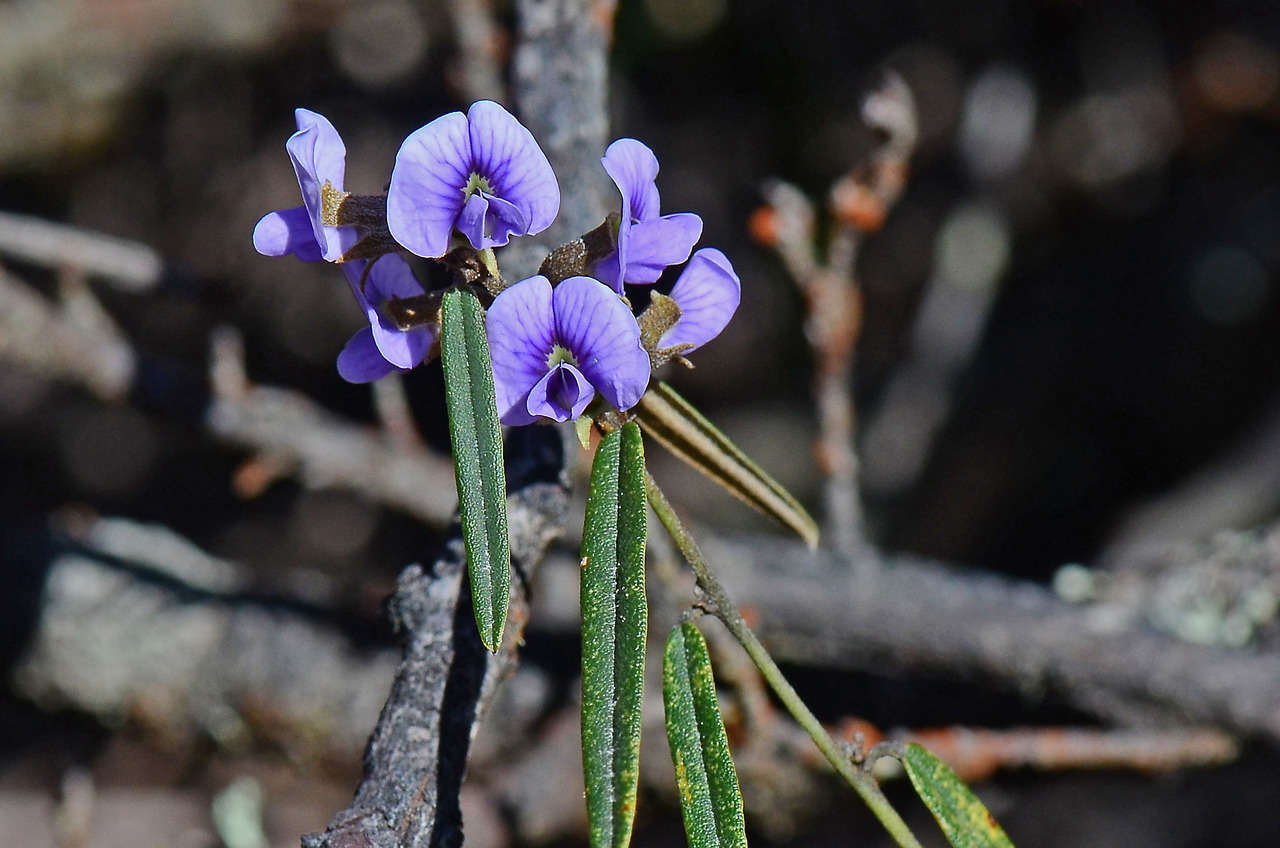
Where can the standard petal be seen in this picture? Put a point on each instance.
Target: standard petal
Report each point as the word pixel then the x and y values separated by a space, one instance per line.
pixel 633 168
pixel 708 293
pixel 287 231
pixel 654 245
pixel 561 395
pixel 427 185
pixel 519 326
pixel 603 336
pixel 319 155
pixel 360 362
pixel 505 153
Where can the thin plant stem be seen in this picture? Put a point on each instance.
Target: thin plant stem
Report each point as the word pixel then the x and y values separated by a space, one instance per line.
pixel 723 608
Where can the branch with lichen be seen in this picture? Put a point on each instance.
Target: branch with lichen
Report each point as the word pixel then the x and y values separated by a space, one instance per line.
pixel 884 613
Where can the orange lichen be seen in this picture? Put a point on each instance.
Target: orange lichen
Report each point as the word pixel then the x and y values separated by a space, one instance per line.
pixel 763 226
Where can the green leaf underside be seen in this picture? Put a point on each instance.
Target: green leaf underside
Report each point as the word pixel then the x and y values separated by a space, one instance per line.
pixel 477 460
pixel 684 431
pixel 963 818
pixel 615 618
pixel 706 779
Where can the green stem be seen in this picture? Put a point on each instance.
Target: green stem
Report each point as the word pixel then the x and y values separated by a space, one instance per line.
pixel 723 608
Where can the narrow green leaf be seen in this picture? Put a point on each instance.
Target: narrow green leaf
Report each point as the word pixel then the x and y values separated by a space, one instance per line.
pixel 615 618
pixel 684 431
pixel 705 777
pixel 477 460
pixel 963 818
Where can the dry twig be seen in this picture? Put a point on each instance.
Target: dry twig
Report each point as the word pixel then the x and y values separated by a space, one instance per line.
pixel 77 342
pixel 976 754
pixel 130 265
pixel 859 202
pixel 293 430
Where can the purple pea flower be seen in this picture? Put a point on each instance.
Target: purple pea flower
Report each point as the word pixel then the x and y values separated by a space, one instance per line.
pixel 382 347
pixel 319 156
pixel 481 172
pixel 647 242
pixel 708 292
pixel 554 349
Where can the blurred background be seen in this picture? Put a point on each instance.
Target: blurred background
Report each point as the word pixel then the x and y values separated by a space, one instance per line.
pixel 1070 354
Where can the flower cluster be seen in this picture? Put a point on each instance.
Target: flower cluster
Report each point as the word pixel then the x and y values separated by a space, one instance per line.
pixel 559 345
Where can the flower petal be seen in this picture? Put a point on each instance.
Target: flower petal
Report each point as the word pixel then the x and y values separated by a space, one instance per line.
pixel 561 395
pixel 593 323
pixel 633 168
pixel 708 293
pixel 360 361
pixel 471 219
pixel 609 269
pixel 658 243
pixel 427 185
pixel 404 349
pixel 353 271
pixel 489 221
pixel 287 231
pixel 319 155
pixel 390 276
pixel 519 326
pixel 505 153
pixel 503 220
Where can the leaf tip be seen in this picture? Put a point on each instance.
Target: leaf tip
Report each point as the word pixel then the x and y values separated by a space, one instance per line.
pixel 811 537
pixel 491 641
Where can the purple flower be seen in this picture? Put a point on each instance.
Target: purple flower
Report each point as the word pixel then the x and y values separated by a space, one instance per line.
pixel 552 350
pixel 382 347
pixel 708 293
pixel 647 242
pixel 319 157
pixel 481 172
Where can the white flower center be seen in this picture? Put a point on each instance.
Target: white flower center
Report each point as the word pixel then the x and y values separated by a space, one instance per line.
pixel 475 183
pixel 560 354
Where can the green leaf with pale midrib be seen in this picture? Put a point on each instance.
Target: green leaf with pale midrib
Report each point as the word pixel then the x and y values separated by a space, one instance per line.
pixel 706 780
pixel 687 433
pixel 477 460
pixel 614 623
pixel 963 818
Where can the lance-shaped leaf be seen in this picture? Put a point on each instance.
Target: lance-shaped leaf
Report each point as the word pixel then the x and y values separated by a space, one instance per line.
pixel 477 460
pixel 963 818
pixel 705 777
pixel 614 621
pixel 684 431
